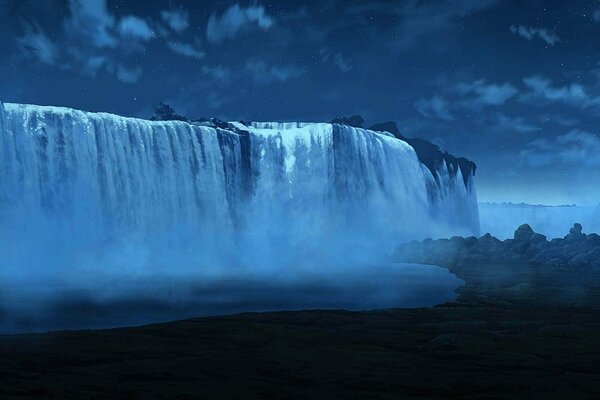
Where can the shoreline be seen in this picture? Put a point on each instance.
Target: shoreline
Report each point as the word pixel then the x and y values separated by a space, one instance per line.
pixel 516 330
pixel 455 350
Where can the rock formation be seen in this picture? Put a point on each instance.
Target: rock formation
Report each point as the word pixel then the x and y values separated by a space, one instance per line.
pixel 576 249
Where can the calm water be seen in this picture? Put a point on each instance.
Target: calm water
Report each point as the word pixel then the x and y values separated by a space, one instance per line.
pixel 111 302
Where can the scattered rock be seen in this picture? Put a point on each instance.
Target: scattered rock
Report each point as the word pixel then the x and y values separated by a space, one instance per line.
pixel 575 249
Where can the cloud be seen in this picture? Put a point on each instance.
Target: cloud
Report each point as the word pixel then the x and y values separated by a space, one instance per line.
pixel 428 18
pixel 91 23
pixel 336 59
pixel 562 120
pixel 135 27
pixel 487 94
pixel 234 20
pixel 177 19
pixel 217 72
pixel 530 33
pixel 542 89
pixel 92 40
pixel 91 65
pixel 575 148
pixel 263 73
pixel 128 75
pixel 186 50
pixel 517 124
pixel 436 107
pixel 36 43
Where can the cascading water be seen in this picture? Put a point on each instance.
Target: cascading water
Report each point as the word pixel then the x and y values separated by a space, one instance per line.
pixel 92 199
pixel 266 192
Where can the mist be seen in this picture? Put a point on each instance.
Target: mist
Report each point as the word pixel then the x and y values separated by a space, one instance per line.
pixel 501 219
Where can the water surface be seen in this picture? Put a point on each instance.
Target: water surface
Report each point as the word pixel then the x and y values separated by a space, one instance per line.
pixel 104 302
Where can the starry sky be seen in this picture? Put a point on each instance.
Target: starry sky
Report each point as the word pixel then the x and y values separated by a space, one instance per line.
pixel 512 85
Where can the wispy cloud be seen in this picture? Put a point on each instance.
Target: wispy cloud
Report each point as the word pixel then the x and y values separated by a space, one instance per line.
pixel 561 120
pixel 263 73
pixel 235 20
pixel 89 41
pixel 421 19
pixel 541 89
pixel 177 19
pixel 516 124
pixel 336 58
pixel 135 27
pixel 92 40
pixel 128 75
pixel 529 33
pixel 91 23
pixel 36 43
pixel 217 72
pixel 487 93
pixel 186 50
pixel 434 107
pixel 575 148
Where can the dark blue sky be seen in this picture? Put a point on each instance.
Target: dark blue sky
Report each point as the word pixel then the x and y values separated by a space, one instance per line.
pixel 513 85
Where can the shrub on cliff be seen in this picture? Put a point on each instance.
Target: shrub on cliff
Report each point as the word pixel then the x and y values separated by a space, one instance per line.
pixel 164 112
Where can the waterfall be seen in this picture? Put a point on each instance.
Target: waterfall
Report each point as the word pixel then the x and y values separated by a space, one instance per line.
pixel 104 191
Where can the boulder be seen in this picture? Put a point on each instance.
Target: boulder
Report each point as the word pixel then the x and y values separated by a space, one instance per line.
pixel 537 238
pixel 575 233
pixel 593 239
pixel 471 240
pixel 523 233
pixel 457 239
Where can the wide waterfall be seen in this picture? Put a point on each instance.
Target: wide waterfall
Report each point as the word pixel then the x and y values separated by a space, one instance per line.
pixel 97 191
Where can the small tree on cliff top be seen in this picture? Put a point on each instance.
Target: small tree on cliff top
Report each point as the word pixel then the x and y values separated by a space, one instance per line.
pixel 164 112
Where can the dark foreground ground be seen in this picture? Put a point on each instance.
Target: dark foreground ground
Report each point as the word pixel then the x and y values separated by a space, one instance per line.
pixel 516 331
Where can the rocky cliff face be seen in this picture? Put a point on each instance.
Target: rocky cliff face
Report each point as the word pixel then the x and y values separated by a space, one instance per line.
pixel 430 154
pixel 576 249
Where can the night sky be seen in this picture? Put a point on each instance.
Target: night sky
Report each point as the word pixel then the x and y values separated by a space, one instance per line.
pixel 513 85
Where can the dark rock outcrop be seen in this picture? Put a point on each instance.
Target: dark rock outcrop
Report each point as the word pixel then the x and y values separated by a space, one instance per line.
pixel 389 126
pixel 213 123
pixel 576 249
pixel 355 120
